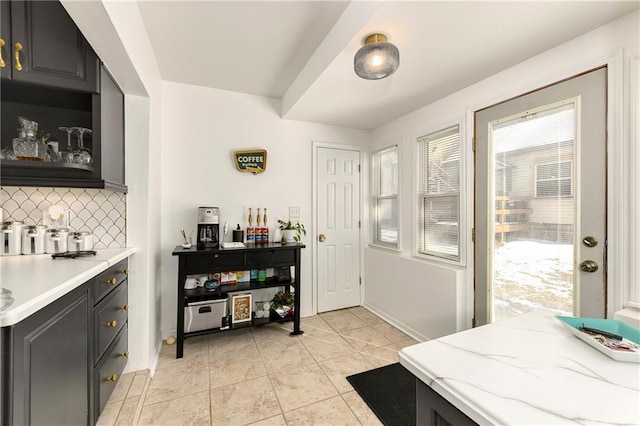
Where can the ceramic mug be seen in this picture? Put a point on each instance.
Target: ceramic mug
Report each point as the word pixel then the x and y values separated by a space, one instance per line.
pixel 201 280
pixel 190 283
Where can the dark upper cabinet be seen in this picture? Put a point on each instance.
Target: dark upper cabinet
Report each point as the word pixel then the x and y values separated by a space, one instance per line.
pixel 42 45
pixel 61 84
pixel 110 129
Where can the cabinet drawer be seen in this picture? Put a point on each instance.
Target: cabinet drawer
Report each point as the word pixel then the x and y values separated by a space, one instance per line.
pixel 106 376
pixel 268 258
pixel 110 317
pixel 214 262
pixel 107 281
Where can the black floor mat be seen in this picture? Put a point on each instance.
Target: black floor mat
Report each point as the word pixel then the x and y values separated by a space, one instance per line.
pixel 390 392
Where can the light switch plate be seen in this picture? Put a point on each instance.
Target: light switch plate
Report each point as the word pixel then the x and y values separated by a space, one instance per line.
pixel 294 213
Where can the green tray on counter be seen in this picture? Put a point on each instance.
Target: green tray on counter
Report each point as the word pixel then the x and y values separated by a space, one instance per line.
pixel 628 333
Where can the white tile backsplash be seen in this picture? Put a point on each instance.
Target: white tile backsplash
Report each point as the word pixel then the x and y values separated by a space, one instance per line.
pixel 99 211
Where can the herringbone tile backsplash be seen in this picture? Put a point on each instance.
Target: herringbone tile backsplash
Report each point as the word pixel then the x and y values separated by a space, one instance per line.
pixel 99 211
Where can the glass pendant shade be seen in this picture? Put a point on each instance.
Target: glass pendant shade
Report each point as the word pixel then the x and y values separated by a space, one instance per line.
pixel 376 59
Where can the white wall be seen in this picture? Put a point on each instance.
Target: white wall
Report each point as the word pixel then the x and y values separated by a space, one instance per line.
pixel 430 287
pixel 116 32
pixel 201 128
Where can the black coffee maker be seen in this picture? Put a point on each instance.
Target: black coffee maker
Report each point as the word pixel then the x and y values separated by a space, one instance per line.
pixel 208 227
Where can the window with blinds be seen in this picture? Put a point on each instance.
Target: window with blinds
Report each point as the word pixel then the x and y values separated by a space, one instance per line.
pixel 439 194
pixel 385 196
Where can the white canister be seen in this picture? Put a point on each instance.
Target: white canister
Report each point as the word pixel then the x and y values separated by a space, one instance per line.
pixel 80 241
pixel 11 238
pixel 33 239
pixel 56 240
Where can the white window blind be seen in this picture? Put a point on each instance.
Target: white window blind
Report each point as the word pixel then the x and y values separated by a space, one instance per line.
pixel 439 194
pixel 385 196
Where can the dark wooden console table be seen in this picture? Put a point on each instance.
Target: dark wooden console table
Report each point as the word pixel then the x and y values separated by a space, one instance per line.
pixel 192 261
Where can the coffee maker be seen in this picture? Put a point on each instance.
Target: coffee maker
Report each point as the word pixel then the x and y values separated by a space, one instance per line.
pixel 208 227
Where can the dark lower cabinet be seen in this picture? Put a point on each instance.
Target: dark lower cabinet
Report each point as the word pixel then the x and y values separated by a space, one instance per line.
pixel 433 410
pixel 60 365
pixel 48 371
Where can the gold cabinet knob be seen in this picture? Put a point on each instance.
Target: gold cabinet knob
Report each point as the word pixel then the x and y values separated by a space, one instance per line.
pixel 125 307
pixel 112 281
pixel 112 378
pixel 112 324
pixel 2 63
pixel 125 271
pixel 16 54
pixel 125 354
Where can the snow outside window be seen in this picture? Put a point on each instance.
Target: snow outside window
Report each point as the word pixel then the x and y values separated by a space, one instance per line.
pixel 439 194
pixel 385 196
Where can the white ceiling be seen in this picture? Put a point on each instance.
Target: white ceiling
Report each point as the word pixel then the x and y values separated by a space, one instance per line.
pixel 302 51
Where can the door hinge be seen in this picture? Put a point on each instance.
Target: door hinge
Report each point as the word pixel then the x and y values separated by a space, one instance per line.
pixel 473 144
pixel 473 322
pixel 473 235
pixel 360 280
pixel 359 224
pixel 358 167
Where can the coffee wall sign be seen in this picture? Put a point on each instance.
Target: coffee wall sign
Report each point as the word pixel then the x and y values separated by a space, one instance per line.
pixel 253 161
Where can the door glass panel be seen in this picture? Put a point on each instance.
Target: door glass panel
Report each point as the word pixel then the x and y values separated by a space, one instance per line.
pixel 532 195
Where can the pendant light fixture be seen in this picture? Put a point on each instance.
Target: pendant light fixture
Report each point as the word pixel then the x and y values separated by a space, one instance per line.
pixel 377 58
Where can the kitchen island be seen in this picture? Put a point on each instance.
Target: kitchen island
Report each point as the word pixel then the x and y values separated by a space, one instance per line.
pixel 525 370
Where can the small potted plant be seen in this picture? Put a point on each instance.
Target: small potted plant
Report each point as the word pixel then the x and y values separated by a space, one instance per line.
pixel 291 232
pixel 283 304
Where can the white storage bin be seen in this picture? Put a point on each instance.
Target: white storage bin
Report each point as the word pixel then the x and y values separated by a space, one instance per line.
pixel 204 315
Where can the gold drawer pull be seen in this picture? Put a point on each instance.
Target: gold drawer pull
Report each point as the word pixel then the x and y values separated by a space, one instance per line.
pixel 125 307
pixel 2 63
pixel 18 48
pixel 125 354
pixel 113 324
pixel 112 378
pixel 125 271
pixel 112 281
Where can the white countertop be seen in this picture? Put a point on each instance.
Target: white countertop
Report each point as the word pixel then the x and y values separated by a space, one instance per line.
pixel 37 280
pixel 527 370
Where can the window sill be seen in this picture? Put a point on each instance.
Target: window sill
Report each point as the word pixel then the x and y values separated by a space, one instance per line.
pixel 385 248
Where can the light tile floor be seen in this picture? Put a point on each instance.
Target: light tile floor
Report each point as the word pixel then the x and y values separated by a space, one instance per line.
pixel 262 375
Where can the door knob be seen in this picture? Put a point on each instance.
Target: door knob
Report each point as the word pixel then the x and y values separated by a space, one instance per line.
pixel 321 238
pixel 588 266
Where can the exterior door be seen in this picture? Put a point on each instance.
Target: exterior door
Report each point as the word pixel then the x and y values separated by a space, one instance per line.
pixel 540 213
pixel 338 231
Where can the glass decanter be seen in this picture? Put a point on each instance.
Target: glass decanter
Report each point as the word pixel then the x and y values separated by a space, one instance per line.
pixel 26 146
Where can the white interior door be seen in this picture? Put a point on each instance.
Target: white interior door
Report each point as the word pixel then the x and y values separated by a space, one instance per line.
pixel 540 215
pixel 337 245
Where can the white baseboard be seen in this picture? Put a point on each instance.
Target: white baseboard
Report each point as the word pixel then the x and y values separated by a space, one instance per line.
pixel 397 324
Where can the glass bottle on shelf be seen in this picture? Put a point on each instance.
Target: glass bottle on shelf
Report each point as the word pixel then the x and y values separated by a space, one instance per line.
pixel 26 146
pixel 258 229
pixel 265 228
pixel 250 228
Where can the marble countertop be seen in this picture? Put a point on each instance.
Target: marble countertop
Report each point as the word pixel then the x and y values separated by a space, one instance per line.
pixel 37 280
pixel 527 370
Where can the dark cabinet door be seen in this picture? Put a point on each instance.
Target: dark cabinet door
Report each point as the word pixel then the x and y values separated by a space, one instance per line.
pixel 5 37
pixel 51 363
pixel 111 130
pixel 54 51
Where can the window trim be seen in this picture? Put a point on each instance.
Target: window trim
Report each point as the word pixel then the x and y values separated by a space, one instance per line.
pixel 375 198
pixel 463 196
